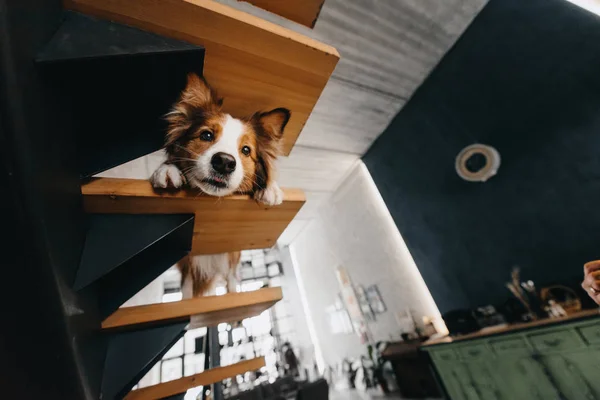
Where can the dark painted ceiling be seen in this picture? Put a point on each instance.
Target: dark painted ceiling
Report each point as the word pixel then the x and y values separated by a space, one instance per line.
pixel 524 78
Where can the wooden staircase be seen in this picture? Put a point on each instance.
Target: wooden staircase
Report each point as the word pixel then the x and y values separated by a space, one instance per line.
pixel 88 86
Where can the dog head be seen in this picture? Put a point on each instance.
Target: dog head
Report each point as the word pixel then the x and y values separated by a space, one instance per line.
pixel 217 153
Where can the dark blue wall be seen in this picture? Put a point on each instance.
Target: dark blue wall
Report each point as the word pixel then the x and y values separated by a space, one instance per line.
pixel 524 78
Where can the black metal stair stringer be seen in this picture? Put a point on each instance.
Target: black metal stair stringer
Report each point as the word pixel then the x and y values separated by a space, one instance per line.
pixel 114 84
pixel 130 355
pixel 123 253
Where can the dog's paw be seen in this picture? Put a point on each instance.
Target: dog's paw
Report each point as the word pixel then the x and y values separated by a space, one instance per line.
pixel 167 176
pixel 271 196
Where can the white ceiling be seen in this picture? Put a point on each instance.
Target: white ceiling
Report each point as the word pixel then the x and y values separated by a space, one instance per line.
pixel 387 48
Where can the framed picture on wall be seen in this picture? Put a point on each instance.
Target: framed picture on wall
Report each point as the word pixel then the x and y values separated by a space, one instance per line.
pixel 374 299
pixel 352 304
pixel 363 301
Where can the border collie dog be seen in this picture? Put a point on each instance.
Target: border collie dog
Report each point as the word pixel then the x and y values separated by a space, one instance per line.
pixel 220 155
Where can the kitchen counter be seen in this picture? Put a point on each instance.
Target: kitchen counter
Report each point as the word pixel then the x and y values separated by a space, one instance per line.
pixel 507 328
pixel 549 359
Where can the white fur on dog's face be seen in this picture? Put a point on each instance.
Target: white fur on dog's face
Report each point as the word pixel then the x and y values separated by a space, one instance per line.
pixel 227 142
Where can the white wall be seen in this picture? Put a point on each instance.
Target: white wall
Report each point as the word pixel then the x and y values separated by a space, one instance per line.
pixel 301 340
pixel 355 230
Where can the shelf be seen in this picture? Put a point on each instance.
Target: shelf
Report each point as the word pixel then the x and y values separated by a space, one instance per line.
pixel 221 224
pixel 209 310
pixel 209 377
pixel 254 64
pixel 304 12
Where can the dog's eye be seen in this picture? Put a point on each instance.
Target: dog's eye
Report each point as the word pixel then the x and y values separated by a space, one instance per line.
pixel 246 150
pixel 207 136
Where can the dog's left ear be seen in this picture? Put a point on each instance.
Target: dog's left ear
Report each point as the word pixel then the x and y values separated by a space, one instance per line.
pixel 269 128
pixel 273 122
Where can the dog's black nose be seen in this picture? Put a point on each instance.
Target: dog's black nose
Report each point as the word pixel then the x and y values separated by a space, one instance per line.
pixel 223 163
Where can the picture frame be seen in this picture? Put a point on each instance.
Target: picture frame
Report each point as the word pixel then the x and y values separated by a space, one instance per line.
pixel 375 300
pixel 363 301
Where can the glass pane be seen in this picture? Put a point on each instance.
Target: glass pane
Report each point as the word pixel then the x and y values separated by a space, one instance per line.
pixel 261 325
pixel 246 256
pixel 171 369
pixel 274 269
pixel 223 338
pixel 239 334
pixel 246 273
pixel 171 297
pixel 251 286
pixel 193 363
pixel 271 256
pixel 270 359
pixel 248 350
pixel 190 339
pixel 176 350
pixel 260 272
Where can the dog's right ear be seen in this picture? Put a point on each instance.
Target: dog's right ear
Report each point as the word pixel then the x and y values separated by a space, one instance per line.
pixel 198 99
pixel 198 93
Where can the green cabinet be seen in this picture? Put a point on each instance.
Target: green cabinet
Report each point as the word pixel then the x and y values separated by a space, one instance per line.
pixel 555 362
pixel 457 382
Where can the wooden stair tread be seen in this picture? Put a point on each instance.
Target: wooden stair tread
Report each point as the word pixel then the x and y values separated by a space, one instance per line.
pixel 221 224
pixel 210 310
pixel 254 64
pixel 211 376
pixel 304 12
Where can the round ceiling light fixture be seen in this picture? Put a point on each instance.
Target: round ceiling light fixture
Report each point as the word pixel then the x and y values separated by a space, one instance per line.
pixel 477 162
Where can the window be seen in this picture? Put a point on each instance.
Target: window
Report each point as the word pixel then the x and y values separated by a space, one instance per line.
pixel 258 336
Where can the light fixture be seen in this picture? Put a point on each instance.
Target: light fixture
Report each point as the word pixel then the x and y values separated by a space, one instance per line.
pixel 477 162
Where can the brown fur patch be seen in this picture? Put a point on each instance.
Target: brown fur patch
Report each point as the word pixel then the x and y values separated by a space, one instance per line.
pixel 201 283
pixel 198 107
pixel 248 161
pixel 234 259
pixel 269 129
